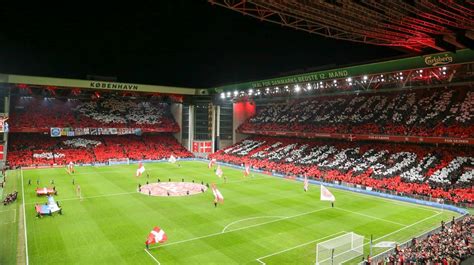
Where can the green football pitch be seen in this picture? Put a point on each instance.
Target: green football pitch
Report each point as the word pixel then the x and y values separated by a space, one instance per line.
pixel 264 219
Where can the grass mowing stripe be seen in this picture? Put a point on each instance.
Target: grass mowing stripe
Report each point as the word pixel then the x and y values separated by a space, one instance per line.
pixel 403 228
pixel 370 216
pixel 24 217
pixel 92 197
pixel 238 229
pixel 300 245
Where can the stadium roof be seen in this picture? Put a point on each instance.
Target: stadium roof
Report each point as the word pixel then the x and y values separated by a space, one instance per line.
pixel 412 25
pixel 180 43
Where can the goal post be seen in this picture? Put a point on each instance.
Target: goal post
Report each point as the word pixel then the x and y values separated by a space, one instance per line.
pixel 339 249
pixel 119 161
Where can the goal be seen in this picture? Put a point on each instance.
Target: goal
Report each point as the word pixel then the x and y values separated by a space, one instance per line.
pixel 119 161
pixel 340 249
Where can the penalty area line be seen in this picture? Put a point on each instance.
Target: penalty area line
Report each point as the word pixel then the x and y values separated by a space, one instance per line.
pixel 250 218
pixel 146 250
pixel 241 228
pixel 300 245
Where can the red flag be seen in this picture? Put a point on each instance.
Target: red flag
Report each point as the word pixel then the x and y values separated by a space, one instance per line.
pixel 219 171
pixel 141 169
pixel 306 183
pixel 211 163
pixel 217 194
pixel 70 167
pixel 247 170
pixel 157 235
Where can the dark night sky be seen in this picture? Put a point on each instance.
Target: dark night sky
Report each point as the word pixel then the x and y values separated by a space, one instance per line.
pixel 177 42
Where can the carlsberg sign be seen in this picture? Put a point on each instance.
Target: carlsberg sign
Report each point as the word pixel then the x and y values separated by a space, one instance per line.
pixel 435 60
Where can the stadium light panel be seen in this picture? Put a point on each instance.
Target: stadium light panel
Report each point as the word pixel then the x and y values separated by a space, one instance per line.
pixel 297 88
pixel 365 77
pixel 222 95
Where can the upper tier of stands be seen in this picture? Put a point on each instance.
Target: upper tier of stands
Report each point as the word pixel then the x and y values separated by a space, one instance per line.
pixel 439 172
pixel 445 112
pixel 27 149
pixel 108 111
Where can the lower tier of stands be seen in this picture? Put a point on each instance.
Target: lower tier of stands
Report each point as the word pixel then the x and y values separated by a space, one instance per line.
pixel 37 149
pixel 439 172
pixel 451 245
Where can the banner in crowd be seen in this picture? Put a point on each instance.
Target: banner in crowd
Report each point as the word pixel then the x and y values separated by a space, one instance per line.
pixel 202 146
pixel 358 137
pixel 58 132
pixel 3 123
pixel 404 64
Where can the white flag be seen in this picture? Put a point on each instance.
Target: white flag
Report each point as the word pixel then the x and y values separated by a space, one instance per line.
pixel 172 159
pixel 326 195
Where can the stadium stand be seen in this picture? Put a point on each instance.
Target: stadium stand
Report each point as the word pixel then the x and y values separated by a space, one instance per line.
pixel 38 114
pixel 438 172
pixel 443 112
pixel 451 245
pixel 30 149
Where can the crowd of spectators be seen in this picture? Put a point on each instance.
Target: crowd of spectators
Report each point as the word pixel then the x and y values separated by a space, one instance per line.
pixel 11 197
pixel 404 168
pixel 445 112
pixel 449 246
pixel 29 149
pixel 108 111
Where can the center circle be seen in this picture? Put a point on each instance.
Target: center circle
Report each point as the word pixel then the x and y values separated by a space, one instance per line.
pixel 172 189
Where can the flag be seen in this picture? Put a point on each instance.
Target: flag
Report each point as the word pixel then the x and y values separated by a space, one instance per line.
pixel 211 163
pixel 157 235
pixel 306 183
pixel 326 195
pixel 172 159
pixel 219 171
pixel 217 194
pixel 247 170
pixel 70 167
pixel 141 169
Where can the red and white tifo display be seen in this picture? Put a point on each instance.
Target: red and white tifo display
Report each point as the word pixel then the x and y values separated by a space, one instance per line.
pixel 172 189
pixel 445 172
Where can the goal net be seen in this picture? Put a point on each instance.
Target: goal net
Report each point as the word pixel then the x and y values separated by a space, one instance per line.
pixel 119 161
pixel 340 249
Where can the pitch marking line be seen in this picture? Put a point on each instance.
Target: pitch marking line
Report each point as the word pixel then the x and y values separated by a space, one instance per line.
pixel 91 197
pixel 238 229
pixel 372 217
pixel 250 218
pixel 146 250
pixel 403 228
pixel 24 216
pixel 300 245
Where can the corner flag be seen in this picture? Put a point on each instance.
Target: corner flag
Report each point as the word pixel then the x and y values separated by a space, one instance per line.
pixel 326 195
pixel 157 235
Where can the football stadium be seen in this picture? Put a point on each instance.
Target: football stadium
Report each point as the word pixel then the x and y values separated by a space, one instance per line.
pixel 366 162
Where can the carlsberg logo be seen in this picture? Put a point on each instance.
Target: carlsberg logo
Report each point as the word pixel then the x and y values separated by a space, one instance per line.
pixel 437 60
